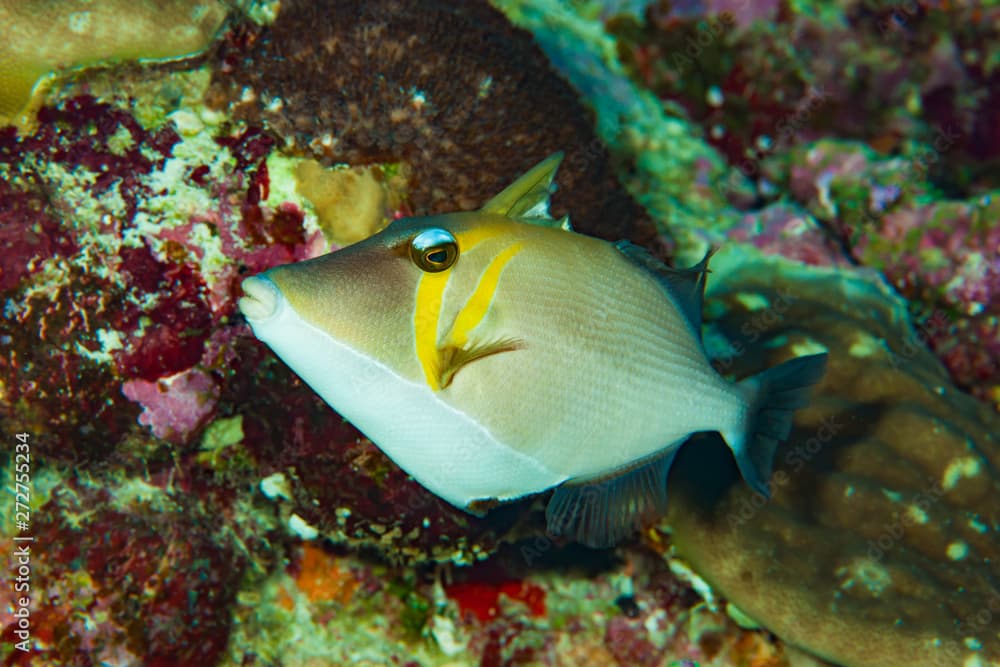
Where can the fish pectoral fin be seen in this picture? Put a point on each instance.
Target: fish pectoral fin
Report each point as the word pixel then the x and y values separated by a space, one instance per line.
pixel 603 512
pixel 455 358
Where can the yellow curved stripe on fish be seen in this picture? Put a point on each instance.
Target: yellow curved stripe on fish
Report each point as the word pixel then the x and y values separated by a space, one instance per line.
pixel 427 315
pixel 430 290
pixel 479 302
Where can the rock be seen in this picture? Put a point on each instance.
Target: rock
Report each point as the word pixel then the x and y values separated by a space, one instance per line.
pixel 880 544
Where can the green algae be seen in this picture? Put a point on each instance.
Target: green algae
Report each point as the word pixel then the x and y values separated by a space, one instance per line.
pixel 676 175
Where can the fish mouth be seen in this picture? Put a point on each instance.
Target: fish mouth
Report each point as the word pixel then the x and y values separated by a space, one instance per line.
pixel 261 300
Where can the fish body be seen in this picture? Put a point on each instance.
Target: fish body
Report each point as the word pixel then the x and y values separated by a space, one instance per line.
pixel 495 354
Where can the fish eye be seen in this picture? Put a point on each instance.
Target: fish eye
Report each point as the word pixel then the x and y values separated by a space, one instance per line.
pixel 434 250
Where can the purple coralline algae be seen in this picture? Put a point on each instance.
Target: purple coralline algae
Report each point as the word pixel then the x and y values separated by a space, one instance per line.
pixel 941 254
pixel 174 406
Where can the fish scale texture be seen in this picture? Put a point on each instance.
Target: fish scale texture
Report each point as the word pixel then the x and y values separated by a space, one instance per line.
pixel 637 374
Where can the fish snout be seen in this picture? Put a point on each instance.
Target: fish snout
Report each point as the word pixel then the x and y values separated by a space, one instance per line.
pixel 262 298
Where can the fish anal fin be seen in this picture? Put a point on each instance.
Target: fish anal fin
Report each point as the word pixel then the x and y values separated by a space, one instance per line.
pixel 455 358
pixel 686 286
pixel 602 513
pixel 527 198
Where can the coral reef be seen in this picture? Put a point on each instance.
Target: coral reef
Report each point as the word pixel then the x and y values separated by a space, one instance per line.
pixel 132 573
pixel 939 253
pixel 911 85
pixel 881 523
pixel 377 82
pixel 668 168
pixel 194 503
pixel 128 222
pixel 45 37
pixel 531 604
pixel 762 78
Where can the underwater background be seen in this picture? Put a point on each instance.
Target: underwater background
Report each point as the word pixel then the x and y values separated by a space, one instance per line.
pixel 175 495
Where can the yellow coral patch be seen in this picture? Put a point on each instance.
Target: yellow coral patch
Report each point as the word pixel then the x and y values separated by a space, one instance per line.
pixel 45 37
pixel 351 204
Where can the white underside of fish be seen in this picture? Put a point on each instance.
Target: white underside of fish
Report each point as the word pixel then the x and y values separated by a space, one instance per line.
pixel 442 448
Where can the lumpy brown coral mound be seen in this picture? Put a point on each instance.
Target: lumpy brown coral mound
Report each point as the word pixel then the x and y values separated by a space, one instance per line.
pixel 880 545
pixel 452 89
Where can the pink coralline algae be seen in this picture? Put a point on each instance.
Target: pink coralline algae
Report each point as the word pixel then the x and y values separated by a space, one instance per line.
pixel 940 254
pixel 945 256
pixel 765 78
pixel 22 249
pixel 111 293
pixel 174 406
pixel 786 230
pixel 201 505
pixel 167 336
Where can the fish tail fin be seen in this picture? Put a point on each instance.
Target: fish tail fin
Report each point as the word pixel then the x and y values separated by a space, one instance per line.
pixel 776 394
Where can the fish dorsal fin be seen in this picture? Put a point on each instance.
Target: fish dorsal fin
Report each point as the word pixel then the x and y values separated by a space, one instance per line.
pixel 527 198
pixel 687 286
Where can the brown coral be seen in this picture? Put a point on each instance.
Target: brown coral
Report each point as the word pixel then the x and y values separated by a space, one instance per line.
pixel 451 89
pixel 880 546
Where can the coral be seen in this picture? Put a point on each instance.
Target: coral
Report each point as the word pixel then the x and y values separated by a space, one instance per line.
pixel 885 73
pixel 911 85
pixel 126 247
pixel 881 523
pixel 790 232
pixel 131 573
pixel 376 83
pixel 940 254
pixel 943 256
pixel 53 383
pixel 351 204
pixel 664 162
pixel 174 406
pixel 559 610
pixel 482 599
pixel 322 579
pixel 167 336
pixel 46 37
pixel 199 505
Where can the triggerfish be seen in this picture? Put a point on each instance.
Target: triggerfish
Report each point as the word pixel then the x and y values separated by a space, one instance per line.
pixel 496 353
